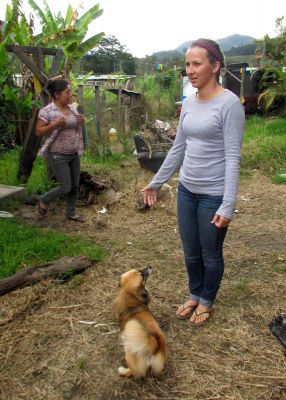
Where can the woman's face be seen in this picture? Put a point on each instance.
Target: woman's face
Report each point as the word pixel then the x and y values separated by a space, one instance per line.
pixel 65 96
pixel 198 67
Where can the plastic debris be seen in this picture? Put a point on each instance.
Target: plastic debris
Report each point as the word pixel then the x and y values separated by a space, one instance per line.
pixel 162 125
pixel 278 327
pixel 102 211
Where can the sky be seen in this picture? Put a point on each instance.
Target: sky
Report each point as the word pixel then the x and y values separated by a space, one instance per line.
pixel 148 26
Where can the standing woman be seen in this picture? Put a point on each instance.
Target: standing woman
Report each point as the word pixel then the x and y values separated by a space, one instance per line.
pixel 207 149
pixel 62 125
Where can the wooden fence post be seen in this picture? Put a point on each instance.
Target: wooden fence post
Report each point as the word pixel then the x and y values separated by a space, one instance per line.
pixel 80 98
pixel 98 109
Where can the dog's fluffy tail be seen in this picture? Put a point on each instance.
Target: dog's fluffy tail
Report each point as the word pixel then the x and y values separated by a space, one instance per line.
pixel 139 341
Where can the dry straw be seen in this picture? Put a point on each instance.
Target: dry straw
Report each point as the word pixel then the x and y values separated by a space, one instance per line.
pixel 61 340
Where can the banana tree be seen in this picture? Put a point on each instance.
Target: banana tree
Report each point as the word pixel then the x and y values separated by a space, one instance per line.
pixel 273 83
pixel 67 32
pixel 21 107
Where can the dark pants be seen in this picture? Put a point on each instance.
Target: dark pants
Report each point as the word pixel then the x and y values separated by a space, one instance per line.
pixel 202 243
pixel 66 169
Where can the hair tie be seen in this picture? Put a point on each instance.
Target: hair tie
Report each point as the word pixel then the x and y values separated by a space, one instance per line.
pixel 210 48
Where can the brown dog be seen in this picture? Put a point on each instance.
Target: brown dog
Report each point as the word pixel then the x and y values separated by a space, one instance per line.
pixel 144 342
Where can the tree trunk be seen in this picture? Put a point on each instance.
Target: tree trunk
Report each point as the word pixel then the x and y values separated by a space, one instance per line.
pixel 29 152
pixel 63 268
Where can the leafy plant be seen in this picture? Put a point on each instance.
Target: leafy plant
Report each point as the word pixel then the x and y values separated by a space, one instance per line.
pixel 21 107
pixel 274 93
pixel 273 84
pixel 66 32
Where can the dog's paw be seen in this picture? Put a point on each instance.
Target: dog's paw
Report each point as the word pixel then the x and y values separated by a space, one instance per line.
pixel 124 371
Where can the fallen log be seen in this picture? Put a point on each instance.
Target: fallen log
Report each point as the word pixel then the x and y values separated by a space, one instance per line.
pixel 63 268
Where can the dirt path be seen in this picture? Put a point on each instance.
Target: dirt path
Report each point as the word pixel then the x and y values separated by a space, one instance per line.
pixel 61 341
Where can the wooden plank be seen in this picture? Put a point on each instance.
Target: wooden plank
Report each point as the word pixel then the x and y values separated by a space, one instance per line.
pixel 98 108
pixel 39 59
pixel 241 93
pixel 56 63
pixel 29 63
pixel 231 74
pixel 127 112
pixel 32 50
pixel 80 98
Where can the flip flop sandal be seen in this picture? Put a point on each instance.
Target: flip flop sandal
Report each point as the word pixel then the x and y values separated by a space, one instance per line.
pixel 193 323
pixel 188 314
pixel 76 218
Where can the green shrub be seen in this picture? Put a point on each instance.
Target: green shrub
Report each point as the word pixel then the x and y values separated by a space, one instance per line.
pixel 7 127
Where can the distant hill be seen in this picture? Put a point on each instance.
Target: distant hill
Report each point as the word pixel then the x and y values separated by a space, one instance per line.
pixel 226 43
pixel 234 41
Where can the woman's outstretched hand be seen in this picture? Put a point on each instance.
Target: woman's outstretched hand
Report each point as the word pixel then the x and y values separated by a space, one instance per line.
pixel 150 195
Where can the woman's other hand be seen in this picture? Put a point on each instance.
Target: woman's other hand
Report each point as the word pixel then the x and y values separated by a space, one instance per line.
pixel 150 195
pixel 58 123
pixel 80 118
pixel 44 128
pixel 220 221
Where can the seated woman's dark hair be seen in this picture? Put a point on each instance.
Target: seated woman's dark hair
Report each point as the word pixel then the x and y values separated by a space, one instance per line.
pixel 57 86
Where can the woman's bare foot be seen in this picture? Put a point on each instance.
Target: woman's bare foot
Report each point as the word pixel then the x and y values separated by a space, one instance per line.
pixel 185 310
pixel 200 316
pixel 43 206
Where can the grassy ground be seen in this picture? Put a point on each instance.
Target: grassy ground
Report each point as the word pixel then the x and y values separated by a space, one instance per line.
pixel 38 181
pixel 264 149
pixel 264 146
pixel 22 246
pixel 61 341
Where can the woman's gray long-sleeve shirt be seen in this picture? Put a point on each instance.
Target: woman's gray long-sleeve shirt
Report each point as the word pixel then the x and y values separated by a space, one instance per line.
pixel 207 149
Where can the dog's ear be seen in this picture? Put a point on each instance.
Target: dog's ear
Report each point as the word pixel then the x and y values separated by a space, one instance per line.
pixel 143 294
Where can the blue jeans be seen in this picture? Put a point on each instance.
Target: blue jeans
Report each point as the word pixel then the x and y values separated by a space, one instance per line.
pixel 202 243
pixel 66 168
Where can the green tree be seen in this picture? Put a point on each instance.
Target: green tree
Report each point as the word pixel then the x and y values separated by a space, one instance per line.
pixel 110 56
pixel 67 33
pixel 273 82
pixel 274 92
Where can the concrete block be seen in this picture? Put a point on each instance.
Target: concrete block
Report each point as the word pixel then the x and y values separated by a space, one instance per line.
pixel 13 192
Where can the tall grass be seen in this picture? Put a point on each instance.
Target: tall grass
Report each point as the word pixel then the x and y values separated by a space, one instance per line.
pixel 23 246
pixel 160 92
pixel 38 181
pixel 264 146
